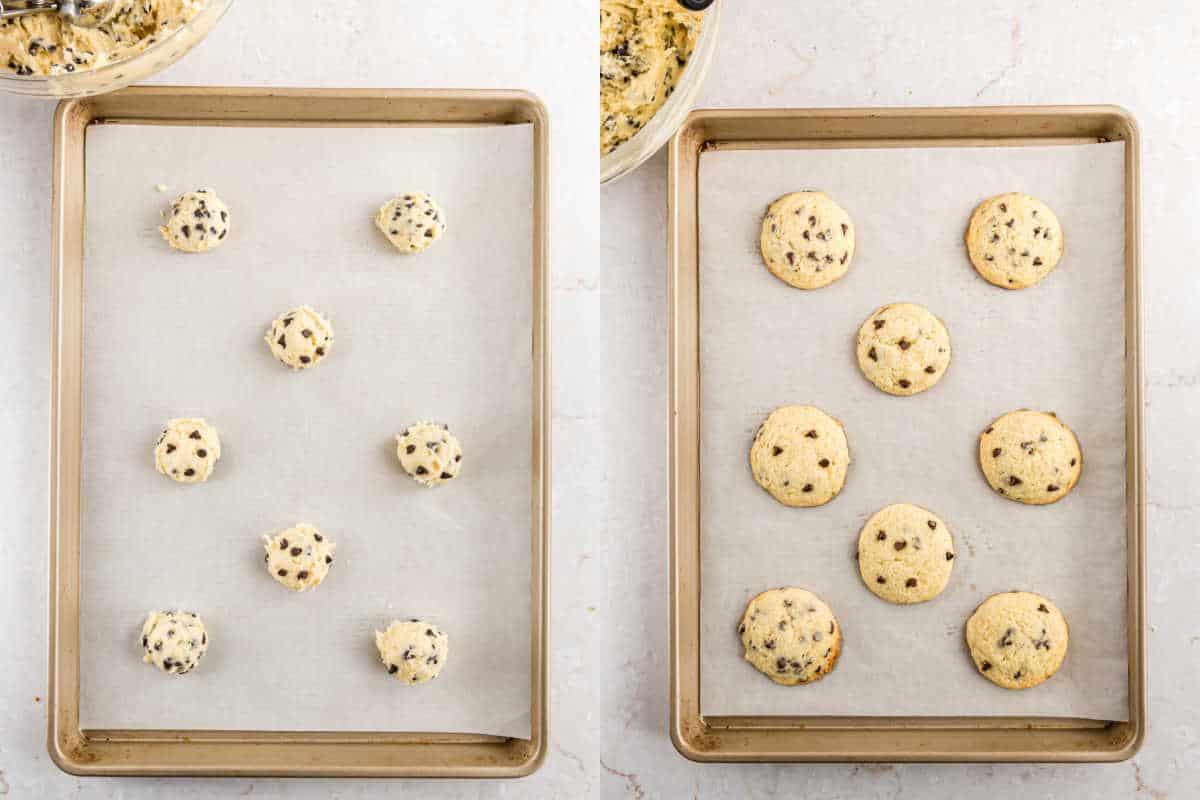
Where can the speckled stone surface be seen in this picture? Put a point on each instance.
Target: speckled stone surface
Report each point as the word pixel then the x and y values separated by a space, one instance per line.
pixel 609 669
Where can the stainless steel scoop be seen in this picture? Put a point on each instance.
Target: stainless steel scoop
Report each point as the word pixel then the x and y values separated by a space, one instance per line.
pixel 84 13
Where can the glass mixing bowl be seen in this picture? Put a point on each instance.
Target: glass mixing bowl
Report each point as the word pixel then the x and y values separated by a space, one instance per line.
pixel 662 126
pixel 109 77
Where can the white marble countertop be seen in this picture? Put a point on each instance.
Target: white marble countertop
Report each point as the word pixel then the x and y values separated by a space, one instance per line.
pixel 609 706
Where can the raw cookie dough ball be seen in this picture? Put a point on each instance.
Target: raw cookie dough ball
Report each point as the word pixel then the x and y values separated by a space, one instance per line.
pixel 429 453
pixel 903 348
pixel 299 557
pixel 300 338
pixel 790 636
pixel 807 240
pixel 174 641
pixel 413 651
pixel 1017 639
pixel 1030 457
pixel 800 456
pixel 187 450
pixel 199 221
pixel 905 554
pixel 1014 240
pixel 411 222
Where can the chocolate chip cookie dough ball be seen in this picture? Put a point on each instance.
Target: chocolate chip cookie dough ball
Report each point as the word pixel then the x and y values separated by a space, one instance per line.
pixel 903 348
pixel 790 635
pixel 1017 639
pixel 1014 240
pixel 411 222
pixel 429 453
pixel 198 222
pixel 299 557
pixel 187 450
pixel 300 338
pixel 807 240
pixel 174 641
pixel 905 554
pixel 1030 457
pixel 414 651
pixel 800 456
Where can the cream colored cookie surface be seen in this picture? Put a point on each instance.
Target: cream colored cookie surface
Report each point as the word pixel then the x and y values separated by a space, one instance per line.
pixel 187 450
pixel 197 222
pixel 1030 456
pixel 300 338
pixel 1014 240
pixel 905 554
pixel 903 348
pixel 807 240
pixel 800 456
pixel 429 453
pixel 790 635
pixel 411 221
pixel 414 651
pixel 298 557
pixel 174 641
pixel 1017 639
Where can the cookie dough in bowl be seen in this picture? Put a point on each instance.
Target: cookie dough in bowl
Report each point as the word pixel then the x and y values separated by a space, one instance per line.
pixel 1017 639
pixel 429 453
pixel 414 651
pixel 905 554
pixel 197 222
pixel 300 338
pixel 187 450
pixel 299 557
pixel 411 221
pixel 1030 456
pixel 790 635
pixel 174 641
pixel 1014 240
pixel 807 240
pixel 903 348
pixel 800 456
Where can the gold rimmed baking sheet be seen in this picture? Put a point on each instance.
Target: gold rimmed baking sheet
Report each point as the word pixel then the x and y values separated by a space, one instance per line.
pixel 784 734
pixel 288 747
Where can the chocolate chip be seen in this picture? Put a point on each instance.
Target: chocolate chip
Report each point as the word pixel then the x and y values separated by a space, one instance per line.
pixel 996 451
pixel 1042 608
pixel 446 476
pixel 782 624
pixel 769 644
pixel 930 370
pixel 904 383
pixel 410 449
pixel 287 321
pixel 393 669
pixel 845 228
pixel 194 435
pixel 1004 207
pixel 305 359
pixel 170 448
pixel 302 574
pixel 985 666
pixel 320 351
pixel 1052 488
pixel 318 537
pixel 296 551
pixel 932 525
pixel 781 665
pixel 306 333
pixel 900 544
pixel 1024 254
pixel 283 544
pixel 808 487
pixel 824 462
pixel 911 582
pixel 1017 675
pixel 421 470
pixel 776 450
pixel 989 430
pixel 429 233
pixel 1009 223
pixel 845 255
pixel 1037 262
pixel 811 255
pixel 1014 481
pixel 904 344
pixel 143 641
pixel 282 573
pixel 949 556
pixel 328 559
pixel 805 235
pixel 1072 462
pixel 187 231
pixel 741 629
pixel 812 221
pixel 879 323
pixel 1006 639
pixel 811 435
pixel 189 472
pixel 202 453
pixel 882 535
pixel 791 258
pixel 872 355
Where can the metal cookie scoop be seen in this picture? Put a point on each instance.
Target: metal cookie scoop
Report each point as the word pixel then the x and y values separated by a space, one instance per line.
pixel 84 13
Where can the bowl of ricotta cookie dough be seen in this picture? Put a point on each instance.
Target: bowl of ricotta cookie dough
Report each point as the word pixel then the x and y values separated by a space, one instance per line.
pixel 654 55
pixel 43 55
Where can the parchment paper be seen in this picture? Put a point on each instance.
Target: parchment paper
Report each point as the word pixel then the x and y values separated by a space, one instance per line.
pixel 443 336
pixel 1058 346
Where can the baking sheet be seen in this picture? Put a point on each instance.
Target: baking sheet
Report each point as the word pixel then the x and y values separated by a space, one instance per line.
pixel 445 335
pixel 1058 346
